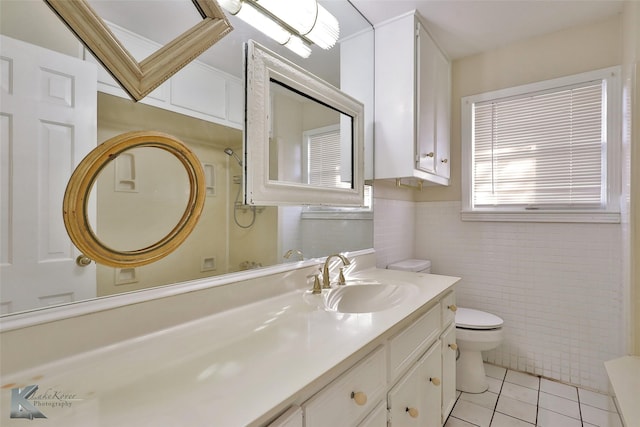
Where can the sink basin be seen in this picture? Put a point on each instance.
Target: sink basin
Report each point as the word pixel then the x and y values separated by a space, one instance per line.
pixel 367 297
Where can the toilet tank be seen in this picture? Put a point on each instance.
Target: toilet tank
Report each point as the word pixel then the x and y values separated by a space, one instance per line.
pixel 417 265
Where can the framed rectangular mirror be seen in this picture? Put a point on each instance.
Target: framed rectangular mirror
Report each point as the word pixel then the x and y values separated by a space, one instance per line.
pixel 304 138
pixel 138 79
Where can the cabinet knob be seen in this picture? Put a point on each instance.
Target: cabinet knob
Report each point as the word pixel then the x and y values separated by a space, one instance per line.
pixel 431 154
pixel 453 346
pixel 453 307
pixel 413 412
pixel 435 381
pixel 359 397
pixel 444 160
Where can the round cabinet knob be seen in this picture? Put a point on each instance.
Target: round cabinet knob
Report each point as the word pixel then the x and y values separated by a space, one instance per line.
pixel 453 307
pixel 359 397
pixel 431 154
pixel 453 346
pixel 413 412
pixel 444 160
pixel 435 381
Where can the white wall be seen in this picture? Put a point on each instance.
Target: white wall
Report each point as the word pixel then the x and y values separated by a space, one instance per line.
pixel 393 230
pixel 559 287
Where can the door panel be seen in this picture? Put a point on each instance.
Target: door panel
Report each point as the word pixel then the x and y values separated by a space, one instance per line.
pixel 48 124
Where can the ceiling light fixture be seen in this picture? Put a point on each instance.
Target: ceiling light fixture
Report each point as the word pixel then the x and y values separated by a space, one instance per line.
pixel 295 24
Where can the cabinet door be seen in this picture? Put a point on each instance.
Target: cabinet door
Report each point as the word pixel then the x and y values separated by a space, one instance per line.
pixel 427 80
pixel 416 399
pixel 291 418
pixel 443 113
pixel 449 350
pixel 351 396
pixel 377 417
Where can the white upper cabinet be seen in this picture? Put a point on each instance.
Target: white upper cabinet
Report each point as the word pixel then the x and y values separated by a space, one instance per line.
pixel 412 103
pixel 197 90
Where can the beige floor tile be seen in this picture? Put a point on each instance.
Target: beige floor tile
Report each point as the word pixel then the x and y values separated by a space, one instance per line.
pixel 559 404
pixel 472 413
pixel 523 379
pixel 517 409
pixel 559 389
pixel 502 420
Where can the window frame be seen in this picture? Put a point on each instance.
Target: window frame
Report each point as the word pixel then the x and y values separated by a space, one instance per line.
pixel 611 158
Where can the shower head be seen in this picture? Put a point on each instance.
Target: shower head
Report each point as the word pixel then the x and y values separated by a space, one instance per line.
pixel 229 152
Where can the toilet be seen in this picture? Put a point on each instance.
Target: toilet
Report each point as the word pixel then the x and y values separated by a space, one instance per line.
pixel 476 331
pixel 416 265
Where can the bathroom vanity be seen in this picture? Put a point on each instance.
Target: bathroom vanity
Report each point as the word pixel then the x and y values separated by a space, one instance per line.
pixel 269 354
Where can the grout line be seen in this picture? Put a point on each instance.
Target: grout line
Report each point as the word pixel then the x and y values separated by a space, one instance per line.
pixel 579 406
pixel 538 401
pixel 495 407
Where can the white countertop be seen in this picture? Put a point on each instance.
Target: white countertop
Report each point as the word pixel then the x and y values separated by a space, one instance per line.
pixel 624 375
pixel 227 369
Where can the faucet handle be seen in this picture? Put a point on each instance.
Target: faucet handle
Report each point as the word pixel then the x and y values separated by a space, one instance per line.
pixel 341 279
pixel 317 288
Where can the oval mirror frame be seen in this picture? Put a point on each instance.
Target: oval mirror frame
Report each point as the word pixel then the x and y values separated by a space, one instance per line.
pixel 75 203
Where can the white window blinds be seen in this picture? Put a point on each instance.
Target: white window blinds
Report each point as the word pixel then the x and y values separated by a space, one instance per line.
pixel 541 150
pixel 324 159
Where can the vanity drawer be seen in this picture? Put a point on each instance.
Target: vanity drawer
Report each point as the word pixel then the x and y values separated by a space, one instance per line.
pixel 448 308
pixel 352 395
pixel 409 344
pixel 377 417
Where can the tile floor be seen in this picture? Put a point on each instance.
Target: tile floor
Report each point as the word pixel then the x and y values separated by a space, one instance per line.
pixel 517 399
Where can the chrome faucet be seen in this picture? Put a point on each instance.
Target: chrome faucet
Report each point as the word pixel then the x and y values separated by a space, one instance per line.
pixel 326 283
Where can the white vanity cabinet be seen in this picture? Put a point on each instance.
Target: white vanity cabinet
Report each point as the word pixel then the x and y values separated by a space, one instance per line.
pixel 408 380
pixel 416 399
pixel 291 418
pixel 449 353
pixel 412 103
pixel 349 398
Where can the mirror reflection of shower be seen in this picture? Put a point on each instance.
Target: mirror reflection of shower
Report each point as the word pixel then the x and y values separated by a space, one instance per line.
pixel 238 205
pixel 229 152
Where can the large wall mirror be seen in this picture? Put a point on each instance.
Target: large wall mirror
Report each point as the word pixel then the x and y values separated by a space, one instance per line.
pixel 202 105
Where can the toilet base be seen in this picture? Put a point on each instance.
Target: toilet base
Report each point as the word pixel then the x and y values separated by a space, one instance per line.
pixel 470 375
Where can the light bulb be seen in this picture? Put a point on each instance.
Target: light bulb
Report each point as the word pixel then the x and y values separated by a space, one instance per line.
pixel 295 44
pixel 326 31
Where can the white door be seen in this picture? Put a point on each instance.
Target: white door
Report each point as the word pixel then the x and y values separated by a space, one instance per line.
pixel 48 114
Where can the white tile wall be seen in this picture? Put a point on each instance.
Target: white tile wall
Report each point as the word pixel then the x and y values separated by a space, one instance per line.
pixel 393 230
pixel 558 287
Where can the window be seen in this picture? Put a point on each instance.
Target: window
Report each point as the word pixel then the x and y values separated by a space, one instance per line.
pixel 547 151
pixel 323 167
pixel 323 157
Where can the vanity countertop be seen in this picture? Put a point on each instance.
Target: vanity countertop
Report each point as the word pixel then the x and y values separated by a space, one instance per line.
pixel 227 369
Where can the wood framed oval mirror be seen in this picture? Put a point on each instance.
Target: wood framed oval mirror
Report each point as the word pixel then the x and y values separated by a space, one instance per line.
pixel 81 183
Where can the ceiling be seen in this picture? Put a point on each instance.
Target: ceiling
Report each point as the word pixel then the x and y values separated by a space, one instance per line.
pixel 467 27
pixel 460 27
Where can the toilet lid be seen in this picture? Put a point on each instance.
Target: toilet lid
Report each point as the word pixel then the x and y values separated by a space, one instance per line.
pixel 410 265
pixel 476 319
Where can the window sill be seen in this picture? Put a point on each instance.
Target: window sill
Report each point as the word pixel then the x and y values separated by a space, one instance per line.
pixel 318 214
pixel 586 217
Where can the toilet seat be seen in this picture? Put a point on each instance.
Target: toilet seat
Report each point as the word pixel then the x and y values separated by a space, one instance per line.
pixel 468 318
